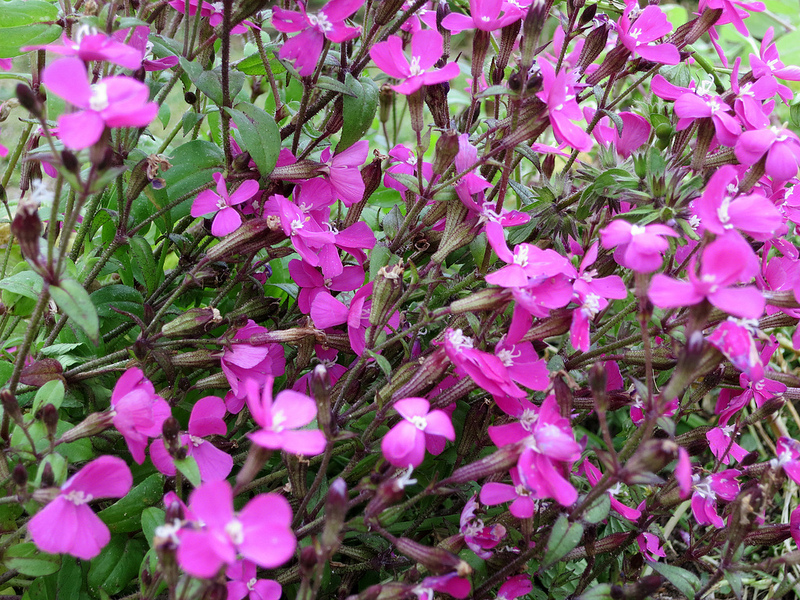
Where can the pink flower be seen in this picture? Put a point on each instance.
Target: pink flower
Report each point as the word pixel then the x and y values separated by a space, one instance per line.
pixel 213 11
pixel 95 46
pixel 781 146
pixel 726 261
pixel 450 584
pixel 242 361
pixel 721 209
pixel 426 49
pixel 485 15
pixel 67 525
pixel 306 48
pixel 522 505
pixel 228 218
pixel 559 93
pixel 138 40
pixel 650 546
pixel 706 492
pixel 342 171
pixel 117 101
pixel 280 420
pixel 138 413
pixel 243 583
pixel 261 532
pixel 635 132
pixel 206 419
pixel 312 282
pixel 720 441
pixel 479 537
pixel 594 475
pixel 404 444
pixel 407 164
pixel 693 105
pixel 735 341
pixel 640 248
pixel 515 587
pixel 650 24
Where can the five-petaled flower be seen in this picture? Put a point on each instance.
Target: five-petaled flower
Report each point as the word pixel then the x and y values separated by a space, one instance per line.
pixel 221 202
pixel 405 443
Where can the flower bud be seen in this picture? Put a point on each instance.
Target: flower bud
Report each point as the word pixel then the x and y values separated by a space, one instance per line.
pixel 415 378
pixel 594 46
pixel 587 15
pixel 386 11
pixel 549 165
pixel 769 407
pixel 436 100
pixel 171 430
pixel 613 63
pixel 254 308
pixel 20 476
pixel 508 40
pixel 195 359
pixel 50 419
pixel 436 560
pixel 446 150
pixel 389 493
pixel 694 30
pixel 191 322
pixel 388 288
pixel 70 161
pixel 488 299
pixel 255 461
pixel 386 100
pixel 28 100
pixel 11 406
pixel 27 228
pixel 649 459
pixel 499 461
pixel 92 425
pixel 371 176
pixel 190 98
pixel 532 25
pixel 335 512
pixel 302 169
pixel 48 478
pixel 308 560
pixel 321 389
pixel 250 237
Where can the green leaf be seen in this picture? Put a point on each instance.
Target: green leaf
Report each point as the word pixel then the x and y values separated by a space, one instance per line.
pixel 125 515
pixel 21 25
pixel 329 83
pixel 70 580
pixel 687 582
pixel 28 560
pixel 598 510
pixel 210 82
pixel 192 166
pixel 383 363
pixel 378 257
pixel 494 90
pixel 145 261
pixel 25 283
pixel 116 566
pixel 598 592
pixel 392 222
pixel 121 297
pixel 188 467
pixel 74 301
pixel 563 538
pixel 51 392
pixel 260 135
pixel 151 518
pixel 252 64
pixel 359 112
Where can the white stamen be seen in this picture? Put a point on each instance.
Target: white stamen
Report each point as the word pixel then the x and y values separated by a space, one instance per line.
pixel 99 99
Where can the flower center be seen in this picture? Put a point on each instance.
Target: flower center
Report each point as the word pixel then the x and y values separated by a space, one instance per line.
pixel 528 419
pixel 419 422
pixel 251 584
pixel 321 22
pixel 459 340
pixel 278 419
pixel 635 33
pixel 591 305
pixel 78 497
pixel 521 255
pixel 235 531
pixel 99 99
pixel 196 441
pixel 722 213
pixel 637 230
pixel 415 68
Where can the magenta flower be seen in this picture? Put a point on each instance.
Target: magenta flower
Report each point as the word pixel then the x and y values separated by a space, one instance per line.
pixel 635 132
pixel 242 361
pixel 206 419
pixel 244 584
pixel 706 492
pixel 559 93
pixel 594 475
pixel 522 505
pixel 342 171
pixel 426 49
pixel 212 11
pixel 636 33
pixel 515 587
pixel 720 441
pixel 549 444
pixel 768 63
pixel 479 537
pixel 640 248
pixel 261 532
pixel 117 101
pixel 228 218
pixel 306 48
pixel 89 46
pixel 281 419
pixel 485 15
pixel 404 445
pixel 726 261
pixel 735 341
pixel 720 209
pixel 138 40
pixel 781 146
pixel 450 584
pixel 67 525
pixel 693 105
pixel 312 282
pixel 138 413
pixel 407 163
pixel 650 546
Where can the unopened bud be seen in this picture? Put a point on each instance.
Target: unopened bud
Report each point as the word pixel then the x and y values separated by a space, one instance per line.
pixel 335 511
pixel 171 429
pixel 532 25
pixel 587 15
pixel 50 419
pixel 308 560
pixel 613 63
pixel 192 321
pixel 499 461
pixel 70 161
pixel 386 100
pixel 595 44
pixel 436 560
pixel 92 425
pixel 48 478
pixel 28 100
pixel 769 407
pixel 302 169
pixel 649 459
pixel 190 98
pixel 11 406
pixel 446 150
pixel 20 475
pixel 195 359
pixel 421 376
pixel 389 493
pixel 549 165
pixel 508 41
pixel 247 238
pixel 27 228
pixel 387 289
pixel 321 389
pixel 436 100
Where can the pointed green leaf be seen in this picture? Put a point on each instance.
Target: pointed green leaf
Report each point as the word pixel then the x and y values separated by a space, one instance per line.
pixel 687 582
pixel 563 538
pixel 74 301
pixel 357 112
pixel 259 134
